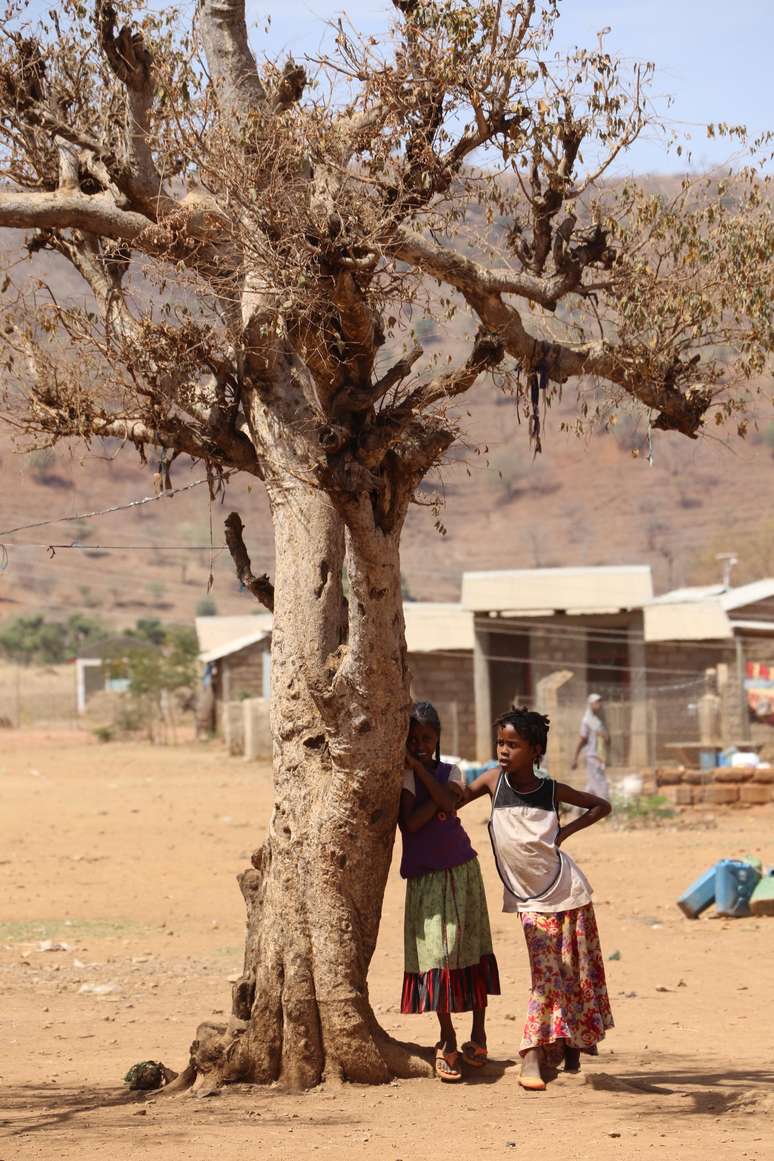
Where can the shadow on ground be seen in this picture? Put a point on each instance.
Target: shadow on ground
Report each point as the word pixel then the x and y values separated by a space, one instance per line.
pixel 37 1108
pixel 708 1091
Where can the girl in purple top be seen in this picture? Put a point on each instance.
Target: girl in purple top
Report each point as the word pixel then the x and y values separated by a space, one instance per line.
pixel 448 959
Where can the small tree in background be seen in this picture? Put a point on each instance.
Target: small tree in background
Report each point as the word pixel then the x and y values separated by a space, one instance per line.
pixel 256 248
pixel 33 640
pixel 161 671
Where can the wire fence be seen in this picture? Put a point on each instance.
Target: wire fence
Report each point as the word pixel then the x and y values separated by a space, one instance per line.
pixel 643 730
pixel 37 695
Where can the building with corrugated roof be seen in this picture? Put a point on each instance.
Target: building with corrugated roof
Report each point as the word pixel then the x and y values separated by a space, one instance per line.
pixel 730 630
pixel 601 627
pixel 530 623
pixel 236 655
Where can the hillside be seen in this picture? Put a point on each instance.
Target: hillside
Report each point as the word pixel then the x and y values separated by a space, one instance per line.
pixel 584 501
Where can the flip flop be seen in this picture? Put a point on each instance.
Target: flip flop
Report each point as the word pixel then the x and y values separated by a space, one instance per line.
pixel 474 1055
pixel 450 1072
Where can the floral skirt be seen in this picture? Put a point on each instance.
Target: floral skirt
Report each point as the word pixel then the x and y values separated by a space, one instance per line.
pixel 448 959
pixel 569 999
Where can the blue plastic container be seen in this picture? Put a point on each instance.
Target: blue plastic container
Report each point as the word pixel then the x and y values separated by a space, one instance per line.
pixel 735 882
pixel 708 759
pixel 700 895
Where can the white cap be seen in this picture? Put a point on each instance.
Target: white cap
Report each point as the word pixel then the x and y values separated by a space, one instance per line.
pixel 594 697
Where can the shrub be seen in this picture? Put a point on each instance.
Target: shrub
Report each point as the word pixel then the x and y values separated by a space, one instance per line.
pixel 642 811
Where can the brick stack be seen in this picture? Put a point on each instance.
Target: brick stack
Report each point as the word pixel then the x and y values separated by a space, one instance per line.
pixel 723 786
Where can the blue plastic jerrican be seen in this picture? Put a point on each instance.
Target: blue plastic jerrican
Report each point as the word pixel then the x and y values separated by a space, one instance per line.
pixel 700 895
pixel 735 882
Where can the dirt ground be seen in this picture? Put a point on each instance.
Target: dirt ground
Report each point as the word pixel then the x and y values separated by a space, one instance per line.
pixel 127 855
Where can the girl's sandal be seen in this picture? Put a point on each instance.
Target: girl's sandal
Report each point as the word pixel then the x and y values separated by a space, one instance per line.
pixel 474 1055
pixel 447 1065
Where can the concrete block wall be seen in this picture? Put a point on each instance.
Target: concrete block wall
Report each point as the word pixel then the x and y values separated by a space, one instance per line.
pixel 551 651
pixel 724 786
pixel 243 672
pixel 447 681
pixel 256 729
pixel 233 721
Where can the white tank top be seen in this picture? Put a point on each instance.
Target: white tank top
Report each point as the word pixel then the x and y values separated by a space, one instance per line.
pixel 536 874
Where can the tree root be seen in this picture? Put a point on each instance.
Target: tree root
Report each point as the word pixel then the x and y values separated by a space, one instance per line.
pixel 213 1060
pixel 181 1083
pixel 405 1061
pixel 217 1059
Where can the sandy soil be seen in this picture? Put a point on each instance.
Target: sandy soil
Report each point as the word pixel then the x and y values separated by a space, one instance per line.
pixel 127 855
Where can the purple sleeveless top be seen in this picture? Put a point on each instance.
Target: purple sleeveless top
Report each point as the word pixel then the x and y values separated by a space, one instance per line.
pixel 439 845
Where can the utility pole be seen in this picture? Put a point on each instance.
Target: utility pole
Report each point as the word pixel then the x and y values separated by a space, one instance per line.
pixel 729 559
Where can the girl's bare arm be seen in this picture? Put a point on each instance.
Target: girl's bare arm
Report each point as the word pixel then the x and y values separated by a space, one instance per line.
pixel 413 817
pixel 443 798
pixel 596 808
pixel 486 783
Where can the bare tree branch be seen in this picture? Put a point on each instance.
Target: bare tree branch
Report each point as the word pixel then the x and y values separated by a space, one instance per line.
pixel 390 426
pixel 396 373
pixel 291 87
pixel 261 587
pixel 679 410
pixel 229 56
pixel 132 63
pixel 97 214
pixel 461 272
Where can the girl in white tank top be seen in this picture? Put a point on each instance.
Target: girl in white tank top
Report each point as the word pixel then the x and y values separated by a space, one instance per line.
pixel 569 1010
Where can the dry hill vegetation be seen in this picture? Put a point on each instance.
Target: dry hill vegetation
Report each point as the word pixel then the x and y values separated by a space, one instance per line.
pixel 590 499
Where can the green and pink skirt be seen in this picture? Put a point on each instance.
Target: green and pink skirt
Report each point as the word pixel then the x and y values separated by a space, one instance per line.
pixel 448 959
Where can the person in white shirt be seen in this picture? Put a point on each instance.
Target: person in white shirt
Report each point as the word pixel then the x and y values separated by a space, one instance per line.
pixel 594 737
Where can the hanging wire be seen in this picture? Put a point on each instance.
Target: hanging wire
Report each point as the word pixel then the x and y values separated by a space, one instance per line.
pixel 104 511
pixel 52 549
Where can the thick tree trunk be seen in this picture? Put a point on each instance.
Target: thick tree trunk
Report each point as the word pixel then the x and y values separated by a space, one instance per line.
pixel 301 1010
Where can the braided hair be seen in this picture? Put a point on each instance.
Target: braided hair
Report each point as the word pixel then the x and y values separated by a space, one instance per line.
pixel 529 725
pixel 424 713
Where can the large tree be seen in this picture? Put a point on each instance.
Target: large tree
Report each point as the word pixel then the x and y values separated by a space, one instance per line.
pixel 254 240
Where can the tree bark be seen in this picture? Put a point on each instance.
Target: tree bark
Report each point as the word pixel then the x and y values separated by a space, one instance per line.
pixel 301 1009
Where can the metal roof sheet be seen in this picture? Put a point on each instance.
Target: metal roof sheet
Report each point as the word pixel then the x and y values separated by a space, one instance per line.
pixel 229 647
pixel 688 595
pixel 765 627
pixel 436 625
pixel 430 626
pixel 760 590
pixel 687 620
pixel 582 589
pixel 214 632
pixel 702 613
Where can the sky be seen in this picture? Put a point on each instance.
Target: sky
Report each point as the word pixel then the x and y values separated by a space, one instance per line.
pixel 712 57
